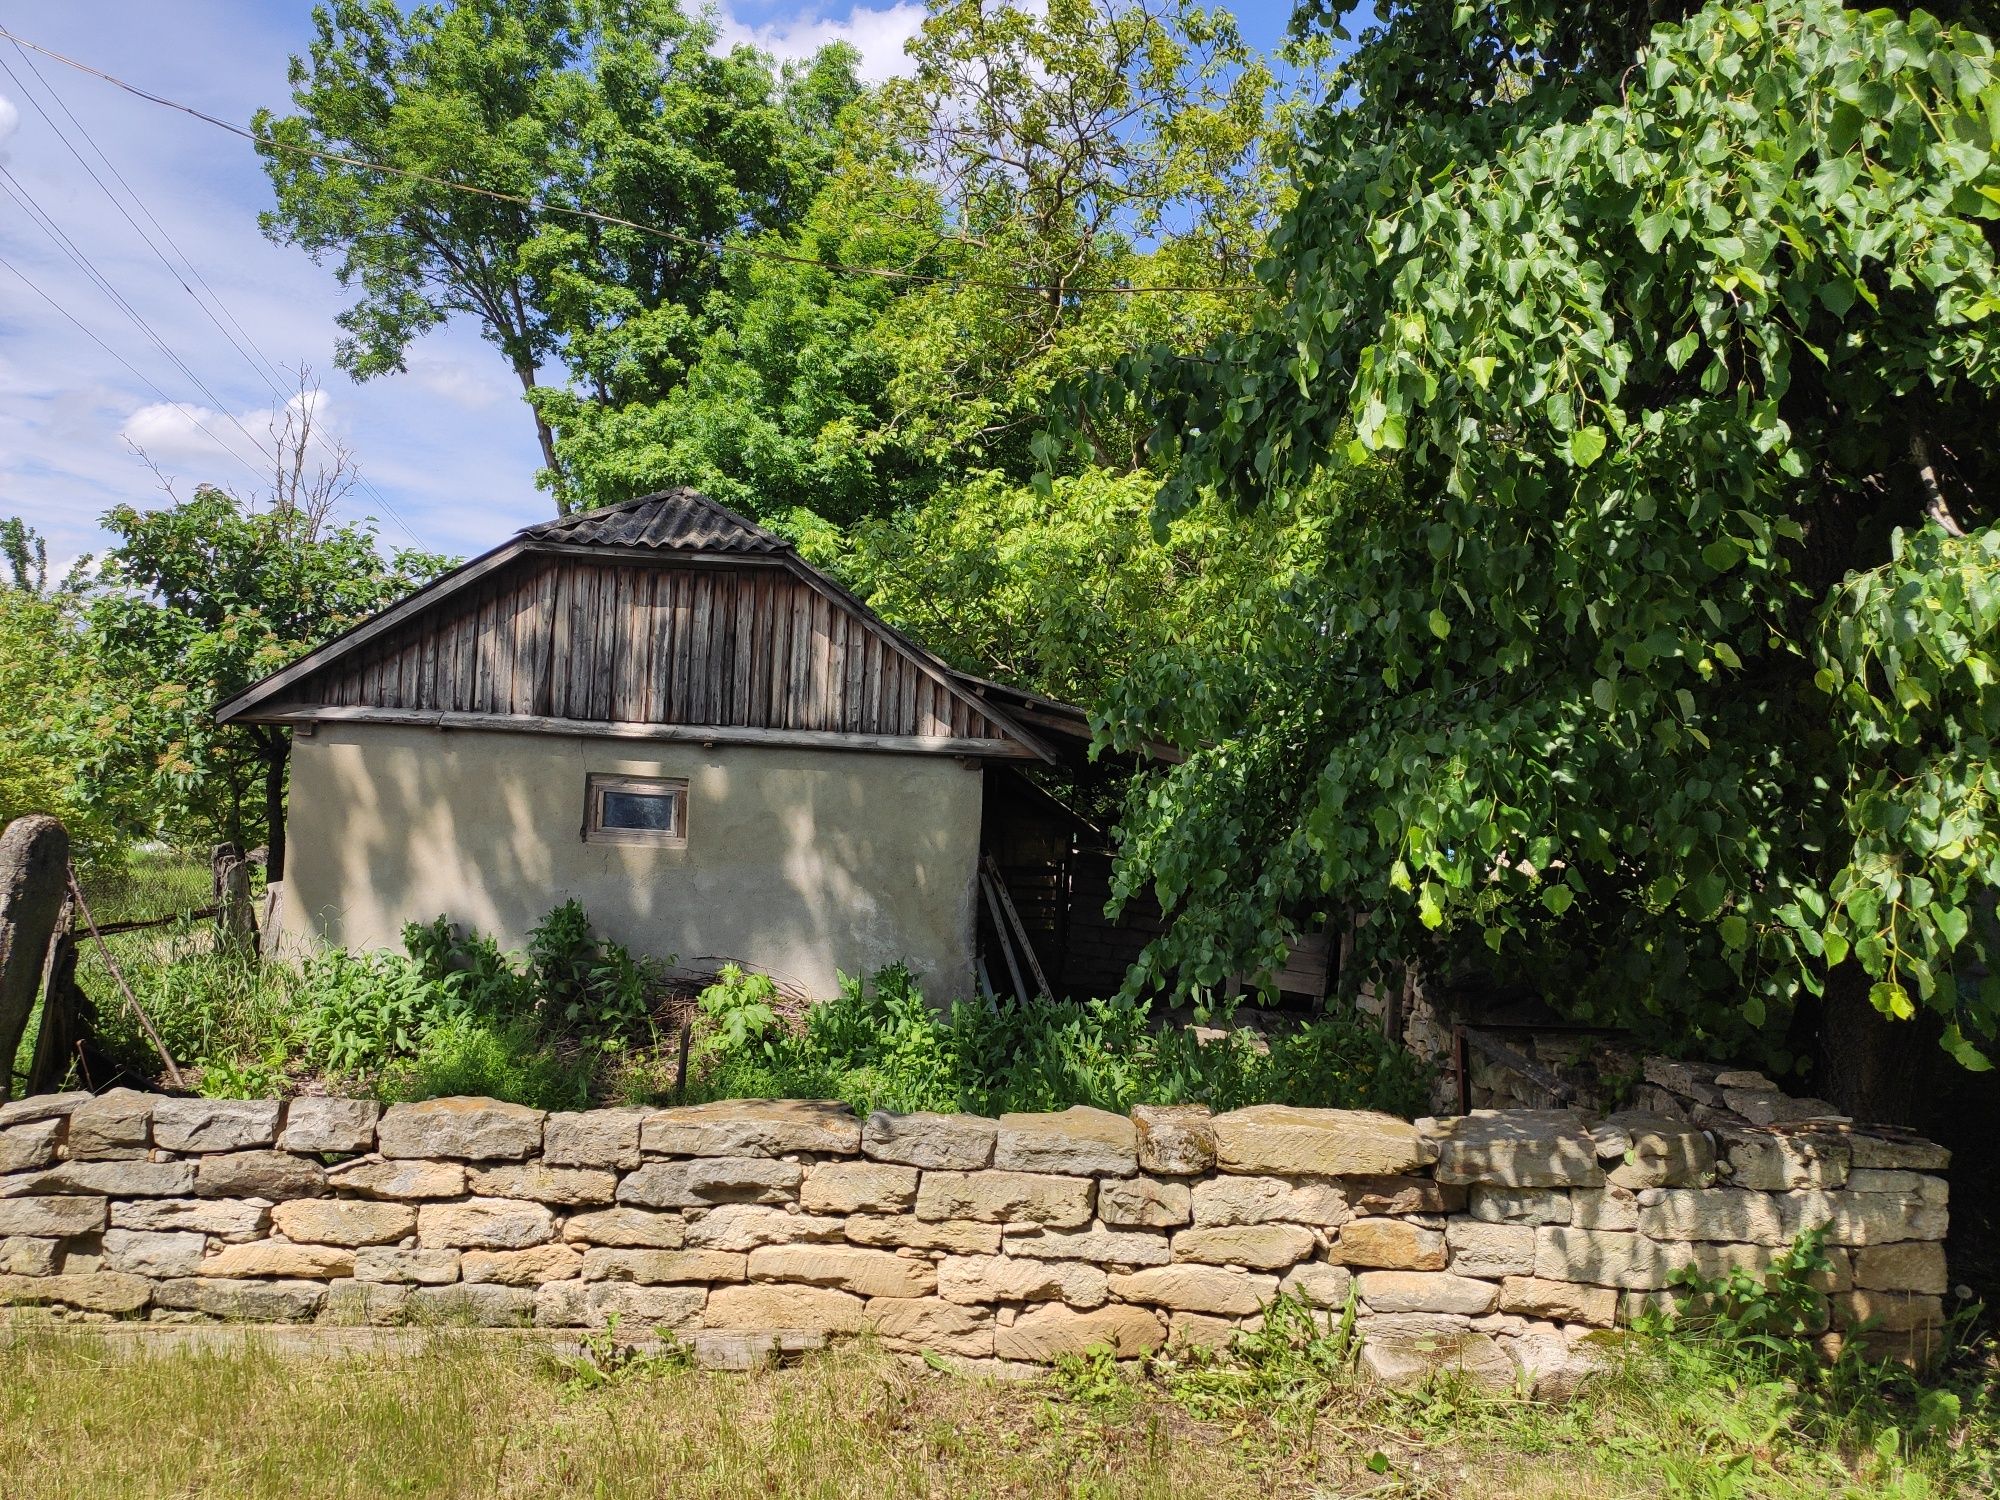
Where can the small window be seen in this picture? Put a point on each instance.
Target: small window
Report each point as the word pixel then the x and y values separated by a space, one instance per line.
pixel 634 810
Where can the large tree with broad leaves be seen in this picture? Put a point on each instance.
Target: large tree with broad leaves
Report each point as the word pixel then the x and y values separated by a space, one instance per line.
pixel 1648 375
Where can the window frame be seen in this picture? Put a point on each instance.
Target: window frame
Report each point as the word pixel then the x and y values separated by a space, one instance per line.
pixel 596 784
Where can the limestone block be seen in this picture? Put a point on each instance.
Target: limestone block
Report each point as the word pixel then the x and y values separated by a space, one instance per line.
pixel 1261 1247
pixel 274 1259
pixel 567 1187
pixel 1713 1214
pixel 365 1304
pixel 483 1306
pixel 1860 1219
pixel 1641 1149
pixel 259 1174
pixel 1425 1291
pixel 1632 1262
pixel 37 1108
pixel 317 1124
pixel 639 1308
pixel 116 1123
pixel 635 1227
pixel 850 1268
pixel 1204 1330
pixel 484 1224
pixel 1559 1301
pixel 22 1256
pixel 1505 1205
pixel 231 1219
pixel 935 1142
pixel 109 1179
pixel 97 1291
pixel 1263 1200
pixel 372 1177
pixel 1892 1312
pixel 1912 1266
pixel 769 1306
pixel 1402 1195
pixel 421 1267
pixel 745 1226
pixel 1006 1197
pixel 1319 1283
pixel 52 1217
pixel 1197 1288
pixel 1043 1334
pixel 243 1301
pixel 1518 1148
pixel 1282 1139
pixel 344 1221
pixel 705 1180
pixel 29 1147
pixel 1079 1141
pixel 1175 1140
pixel 82 1256
pixel 1480 1249
pixel 563 1304
pixel 900 1231
pixel 1145 1202
pixel 460 1129
pixel 853 1187
pixel 215 1124
pixel 603 1138
pixel 1880 1147
pixel 1768 1107
pixel 1096 1244
pixel 914 1324
pixel 1552 1367
pixel 148 1253
pixel 1401 1358
pixel 1391 1244
pixel 1889 1180
pixel 1006 1278
pixel 1768 1162
pixel 1604 1208
pixel 530 1267
pixel 752 1127
pixel 659 1267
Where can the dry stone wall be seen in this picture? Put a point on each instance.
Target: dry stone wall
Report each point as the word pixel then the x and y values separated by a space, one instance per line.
pixel 1498 1243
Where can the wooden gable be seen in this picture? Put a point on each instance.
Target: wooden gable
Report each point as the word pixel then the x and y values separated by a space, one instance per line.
pixel 611 639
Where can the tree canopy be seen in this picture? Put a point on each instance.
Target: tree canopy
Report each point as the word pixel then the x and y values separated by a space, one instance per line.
pixel 1648 382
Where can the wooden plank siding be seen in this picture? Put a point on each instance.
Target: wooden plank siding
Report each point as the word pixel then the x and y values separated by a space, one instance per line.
pixel 752 647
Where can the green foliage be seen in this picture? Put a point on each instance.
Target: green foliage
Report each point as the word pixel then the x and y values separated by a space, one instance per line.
pixel 739 1004
pixel 605 1359
pixel 1616 362
pixel 586 986
pixel 882 1045
pixel 356 1012
pixel 1286 1366
pixel 621 107
pixel 508 1060
pixel 196 601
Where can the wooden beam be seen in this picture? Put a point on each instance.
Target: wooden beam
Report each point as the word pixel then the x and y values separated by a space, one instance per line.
pixel 1020 927
pixel 986 886
pixel 718 734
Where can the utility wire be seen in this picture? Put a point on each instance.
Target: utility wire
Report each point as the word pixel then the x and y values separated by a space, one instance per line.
pixel 267 369
pixel 141 375
pixel 540 205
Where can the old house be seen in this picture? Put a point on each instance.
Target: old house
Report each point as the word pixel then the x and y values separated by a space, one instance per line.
pixel 661 710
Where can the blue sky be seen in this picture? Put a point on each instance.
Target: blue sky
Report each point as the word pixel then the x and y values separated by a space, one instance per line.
pixel 446 450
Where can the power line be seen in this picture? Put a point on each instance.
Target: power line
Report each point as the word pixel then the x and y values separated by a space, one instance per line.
pixel 281 395
pixel 539 205
pixel 179 406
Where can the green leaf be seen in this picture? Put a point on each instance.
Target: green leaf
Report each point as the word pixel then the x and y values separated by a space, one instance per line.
pixel 1586 446
pixel 1557 898
pixel 1892 1000
pixel 1482 367
pixel 1735 932
pixel 1440 626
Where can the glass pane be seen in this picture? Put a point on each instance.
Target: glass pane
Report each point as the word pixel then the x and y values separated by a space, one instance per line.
pixel 653 811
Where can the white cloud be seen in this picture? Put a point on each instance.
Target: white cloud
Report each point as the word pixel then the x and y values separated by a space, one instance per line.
pixel 10 118
pixel 210 443
pixel 473 386
pixel 878 35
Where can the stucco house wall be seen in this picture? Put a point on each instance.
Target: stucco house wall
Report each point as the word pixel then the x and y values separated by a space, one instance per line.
pixel 799 861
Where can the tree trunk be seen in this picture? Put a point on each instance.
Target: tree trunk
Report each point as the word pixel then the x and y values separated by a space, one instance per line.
pixel 1871 1067
pixel 277 752
pixel 544 434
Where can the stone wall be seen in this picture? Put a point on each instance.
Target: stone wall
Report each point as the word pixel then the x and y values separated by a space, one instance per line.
pixel 1498 1243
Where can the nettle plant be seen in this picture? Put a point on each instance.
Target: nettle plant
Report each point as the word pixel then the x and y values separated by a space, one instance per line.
pixel 1647 384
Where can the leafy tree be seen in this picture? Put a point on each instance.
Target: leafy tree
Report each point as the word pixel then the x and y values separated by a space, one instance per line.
pixel 197 600
pixel 1649 383
pixel 619 107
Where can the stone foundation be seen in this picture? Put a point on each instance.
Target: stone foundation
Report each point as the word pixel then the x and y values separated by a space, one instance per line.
pixel 1497 1243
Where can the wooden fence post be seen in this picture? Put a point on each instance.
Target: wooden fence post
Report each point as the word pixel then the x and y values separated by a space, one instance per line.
pixel 235 915
pixel 34 865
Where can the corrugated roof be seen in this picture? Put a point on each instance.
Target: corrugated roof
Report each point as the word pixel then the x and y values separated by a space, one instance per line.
pixel 681 520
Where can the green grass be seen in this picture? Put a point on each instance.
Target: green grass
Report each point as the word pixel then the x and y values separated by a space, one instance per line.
pixel 471 1415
